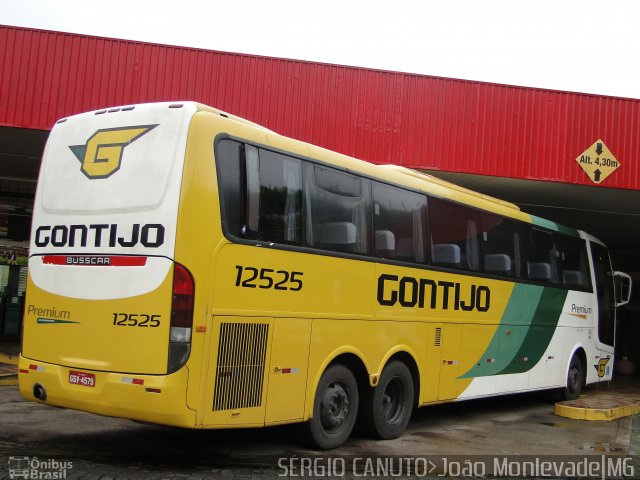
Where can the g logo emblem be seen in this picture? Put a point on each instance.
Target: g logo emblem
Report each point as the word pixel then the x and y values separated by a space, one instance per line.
pixel 600 367
pixel 102 154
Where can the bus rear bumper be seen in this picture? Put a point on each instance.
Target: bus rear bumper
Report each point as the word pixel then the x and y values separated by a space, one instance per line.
pixel 160 399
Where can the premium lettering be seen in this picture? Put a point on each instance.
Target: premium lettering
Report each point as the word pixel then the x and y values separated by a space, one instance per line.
pixel 51 312
pixel 580 309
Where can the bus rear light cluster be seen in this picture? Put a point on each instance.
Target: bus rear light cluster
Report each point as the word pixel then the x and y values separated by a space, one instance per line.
pixel 181 317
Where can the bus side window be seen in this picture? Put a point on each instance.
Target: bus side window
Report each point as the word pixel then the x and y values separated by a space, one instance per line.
pixel 230 171
pixel 252 188
pixel 454 233
pixel 260 193
pixel 501 245
pixel 280 189
pixel 541 256
pixel 337 208
pixel 574 262
pixel 400 223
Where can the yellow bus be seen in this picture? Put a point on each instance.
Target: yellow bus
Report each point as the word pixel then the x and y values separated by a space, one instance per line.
pixel 190 268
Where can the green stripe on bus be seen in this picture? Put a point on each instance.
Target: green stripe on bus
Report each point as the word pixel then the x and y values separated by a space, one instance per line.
pixel 541 222
pixel 514 325
pixel 539 334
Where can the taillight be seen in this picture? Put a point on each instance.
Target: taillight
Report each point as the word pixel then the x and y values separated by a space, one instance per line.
pixel 181 317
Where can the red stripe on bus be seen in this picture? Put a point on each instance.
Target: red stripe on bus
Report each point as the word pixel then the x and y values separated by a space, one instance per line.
pixel 95 260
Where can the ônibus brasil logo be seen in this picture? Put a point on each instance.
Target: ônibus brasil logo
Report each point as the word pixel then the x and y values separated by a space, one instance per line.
pixel 102 154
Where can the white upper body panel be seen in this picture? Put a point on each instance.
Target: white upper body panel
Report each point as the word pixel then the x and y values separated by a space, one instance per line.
pixel 110 185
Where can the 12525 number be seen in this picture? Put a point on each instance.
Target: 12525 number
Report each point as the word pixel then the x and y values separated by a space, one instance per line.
pixel 136 320
pixel 250 277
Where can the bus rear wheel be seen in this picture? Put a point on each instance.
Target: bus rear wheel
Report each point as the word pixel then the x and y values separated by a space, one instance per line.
pixel 387 408
pixel 575 379
pixel 335 408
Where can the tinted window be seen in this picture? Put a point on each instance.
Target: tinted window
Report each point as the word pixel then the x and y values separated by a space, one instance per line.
pixel 399 223
pixel 338 182
pixel 260 193
pixel 454 234
pixel 501 245
pixel 280 198
pixel 337 205
pixel 574 262
pixel 230 185
pixel 603 279
pixel 541 262
pixel 277 198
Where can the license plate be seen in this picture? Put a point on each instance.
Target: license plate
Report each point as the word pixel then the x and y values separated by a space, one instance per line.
pixel 82 378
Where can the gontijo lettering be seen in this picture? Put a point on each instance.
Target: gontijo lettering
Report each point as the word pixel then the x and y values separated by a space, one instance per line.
pixel 412 292
pixel 150 235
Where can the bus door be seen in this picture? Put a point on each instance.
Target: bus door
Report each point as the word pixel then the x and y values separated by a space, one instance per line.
pixel 606 316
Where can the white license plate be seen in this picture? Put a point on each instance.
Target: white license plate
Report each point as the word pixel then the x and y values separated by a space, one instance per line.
pixel 82 378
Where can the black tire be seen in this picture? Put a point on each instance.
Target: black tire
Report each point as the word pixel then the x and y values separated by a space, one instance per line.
pixel 387 408
pixel 575 379
pixel 335 409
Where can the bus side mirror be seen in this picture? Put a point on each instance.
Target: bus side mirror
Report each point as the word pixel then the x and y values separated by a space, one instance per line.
pixel 622 283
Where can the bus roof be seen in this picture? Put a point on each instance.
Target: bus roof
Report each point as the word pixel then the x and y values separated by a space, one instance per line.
pixel 200 107
pixel 430 178
pixel 401 176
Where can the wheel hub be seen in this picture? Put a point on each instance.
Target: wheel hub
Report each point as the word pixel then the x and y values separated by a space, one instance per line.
pixel 334 407
pixel 392 400
pixel 574 378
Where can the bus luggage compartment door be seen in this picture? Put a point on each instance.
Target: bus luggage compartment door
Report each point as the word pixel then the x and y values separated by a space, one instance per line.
pixel 237 383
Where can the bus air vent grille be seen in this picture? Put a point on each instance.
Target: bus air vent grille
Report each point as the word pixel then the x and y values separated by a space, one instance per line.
pixel 438 339
pixel 240 366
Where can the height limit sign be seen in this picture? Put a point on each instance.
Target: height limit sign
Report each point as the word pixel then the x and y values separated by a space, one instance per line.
pixel 598 162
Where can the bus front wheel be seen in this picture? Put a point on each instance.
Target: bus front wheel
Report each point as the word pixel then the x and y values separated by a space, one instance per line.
pixel 575 379
pixel 387 408
pixel 335 408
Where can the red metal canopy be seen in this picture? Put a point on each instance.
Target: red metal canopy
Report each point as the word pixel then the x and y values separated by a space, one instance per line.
pixel 383 117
